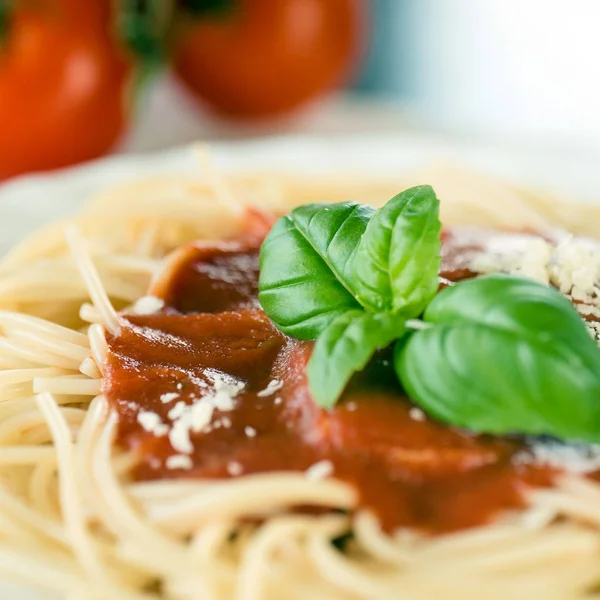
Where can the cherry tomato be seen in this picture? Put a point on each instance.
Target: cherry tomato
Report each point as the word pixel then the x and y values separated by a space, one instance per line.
pixel 63 86
pixel 263 57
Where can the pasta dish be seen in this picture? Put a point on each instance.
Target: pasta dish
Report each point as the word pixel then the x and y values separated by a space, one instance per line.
pixel 264 386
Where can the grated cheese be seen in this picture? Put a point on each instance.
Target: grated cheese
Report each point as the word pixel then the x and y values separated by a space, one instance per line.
pixel 226 388
pixel 148 420
pixel 320 470
pixel 534 261
pixel 147 305
pixel 234 468
pixel 201 415
pixel 151 422
pixel 273 386
pixel 179 436
pixel 169 397
pixel 573 458
pixel 416 414
pixel 594 329
pixel 197 417
pixel 222 400
pixel 179 461
pixel 571 265
pixel 161 430
pixel 250 432
pixel 177 410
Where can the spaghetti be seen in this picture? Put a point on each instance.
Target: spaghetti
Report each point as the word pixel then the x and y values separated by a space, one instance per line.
pixel 72 519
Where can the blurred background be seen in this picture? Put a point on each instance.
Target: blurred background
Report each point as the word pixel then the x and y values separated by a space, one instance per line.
pixel 81 79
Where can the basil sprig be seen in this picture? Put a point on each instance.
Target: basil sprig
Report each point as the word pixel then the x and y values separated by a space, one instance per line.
pixel 321 267
pixel 496 354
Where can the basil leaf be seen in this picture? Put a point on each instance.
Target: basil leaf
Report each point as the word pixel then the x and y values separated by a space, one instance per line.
pixel 522 306
pixel 397 262
pixel 345 347
pixel 505 355
pixel 303 283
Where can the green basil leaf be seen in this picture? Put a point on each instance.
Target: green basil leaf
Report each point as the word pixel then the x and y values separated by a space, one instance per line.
pixel 522 306
pixel 345 348
pixel 505 355
pixel 304 263
pixel 397 262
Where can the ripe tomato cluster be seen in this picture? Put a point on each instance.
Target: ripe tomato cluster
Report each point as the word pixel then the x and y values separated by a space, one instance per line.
pixel 69 69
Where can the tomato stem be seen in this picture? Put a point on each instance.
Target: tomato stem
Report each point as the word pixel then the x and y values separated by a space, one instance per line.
pixel 143 25
pixel 200 8
pixel 5 14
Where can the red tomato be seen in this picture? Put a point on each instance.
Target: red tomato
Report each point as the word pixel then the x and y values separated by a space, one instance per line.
pixel 263 57
pixel 62 86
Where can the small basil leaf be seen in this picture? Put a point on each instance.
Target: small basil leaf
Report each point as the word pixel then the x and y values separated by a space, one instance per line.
pixel 345 347
pixel 505 355
pixel 396 265
pixel 303 263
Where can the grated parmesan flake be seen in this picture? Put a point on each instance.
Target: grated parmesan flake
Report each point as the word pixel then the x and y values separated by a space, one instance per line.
pixel 250 432
pixel 273 386
pixel 151 422
pixel 177 410
pixel 201 415
pixel 234 468
pixel 169 397
pixel 571 265
pixel 573 458
pixel 179 436
pixel 179 461
pixel 416 414
pixel 197 417
pixel 320 470
pixel 148 420
pixel 147 305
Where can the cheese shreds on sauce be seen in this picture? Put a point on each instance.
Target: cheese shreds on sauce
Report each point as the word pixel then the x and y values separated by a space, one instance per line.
pixel 148 305
pixel 197 417
pixel 169 397
pixel 148 420
pixel 320 470
pixel 572 458
pixel 179 461
pixel 416 414
pixel 234 468
pixel 272 387
pixel 571 265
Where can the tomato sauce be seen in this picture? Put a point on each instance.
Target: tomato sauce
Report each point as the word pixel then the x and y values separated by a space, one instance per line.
pixel 408 469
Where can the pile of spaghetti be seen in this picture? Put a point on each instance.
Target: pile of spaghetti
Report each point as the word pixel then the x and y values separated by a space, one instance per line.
pixel 73 520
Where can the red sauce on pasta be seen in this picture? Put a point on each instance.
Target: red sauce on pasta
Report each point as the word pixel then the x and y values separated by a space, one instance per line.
pixel 409 470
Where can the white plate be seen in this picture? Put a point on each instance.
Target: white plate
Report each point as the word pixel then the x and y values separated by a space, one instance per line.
pixel 28 203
